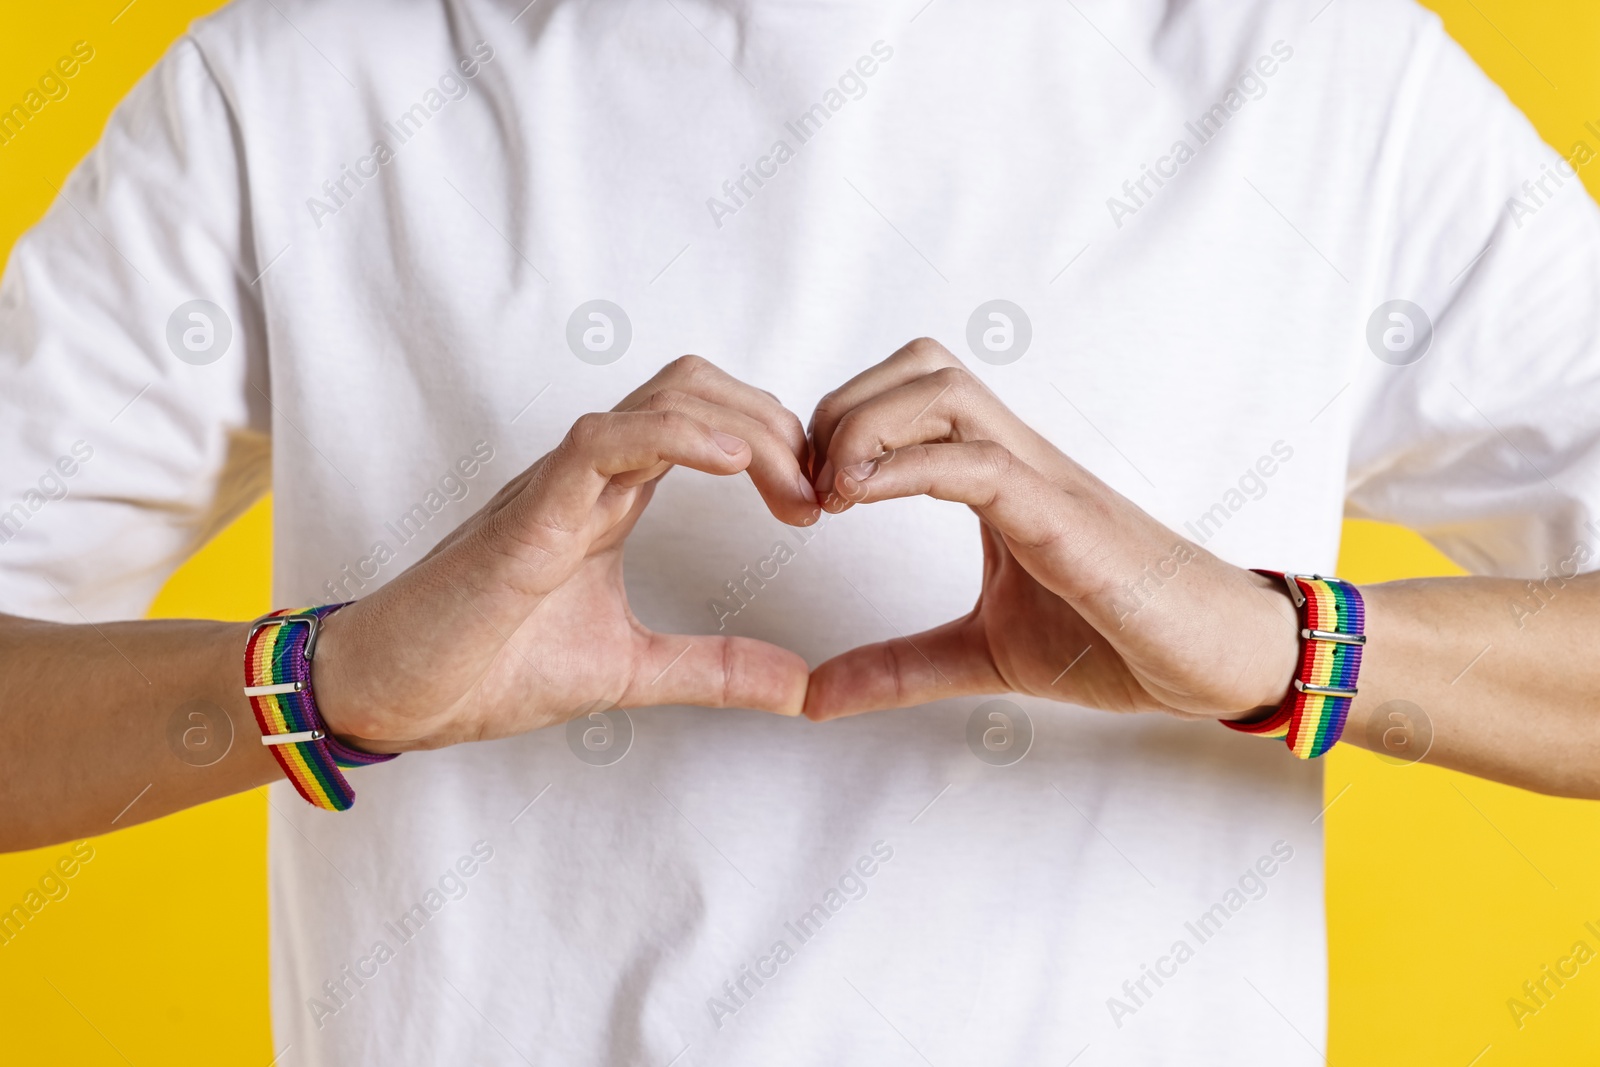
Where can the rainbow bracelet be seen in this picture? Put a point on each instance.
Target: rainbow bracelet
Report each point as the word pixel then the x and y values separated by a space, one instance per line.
pixel 277 679
pixel 1334 626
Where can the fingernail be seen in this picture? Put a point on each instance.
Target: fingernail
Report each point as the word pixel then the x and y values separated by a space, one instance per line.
pixel 862 471
pixel 807 492
pixel 825 476
pixel 727 442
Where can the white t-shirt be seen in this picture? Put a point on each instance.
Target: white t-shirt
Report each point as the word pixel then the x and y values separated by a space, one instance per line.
pixel 403 211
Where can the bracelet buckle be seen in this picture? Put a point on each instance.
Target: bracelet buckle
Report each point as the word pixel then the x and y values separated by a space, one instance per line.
pixel 293 739
pixel 1324 690
pixel 1333 637
pixel 312 622
pixel 1293 582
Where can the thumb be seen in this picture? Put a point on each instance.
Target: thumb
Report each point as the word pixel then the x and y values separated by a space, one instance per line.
pixel 717 672
pixel 947 661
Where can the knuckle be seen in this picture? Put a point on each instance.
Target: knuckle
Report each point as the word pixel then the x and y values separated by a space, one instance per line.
pixel 894 672
pixel 827 409
pixel 952 377
pixel 586 430
pixel 664 400
pixel 849 434
pixel 672 421
pixel 789 427
pixel 995 457
pixel 927 350
pixel 727 677
pixel 762 438
pixel 689 367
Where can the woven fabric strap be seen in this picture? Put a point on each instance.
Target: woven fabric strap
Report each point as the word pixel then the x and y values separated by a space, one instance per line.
pixel 276 657
pixel 1310 722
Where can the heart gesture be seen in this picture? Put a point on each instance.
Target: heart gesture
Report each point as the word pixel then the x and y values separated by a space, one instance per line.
pixel 519 618
pixel 1069 609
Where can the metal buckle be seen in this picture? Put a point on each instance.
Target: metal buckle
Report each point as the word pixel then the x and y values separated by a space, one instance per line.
pixel 1291 580
pixel 306 617
pixel 1296 595
pixel 1334 638
pixel 1323 690
pixel 293 739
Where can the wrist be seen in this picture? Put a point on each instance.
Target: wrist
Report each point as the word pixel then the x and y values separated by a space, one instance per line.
pixel 1311 718
pixel 351 715
pixel 279 659
pixel 1278 649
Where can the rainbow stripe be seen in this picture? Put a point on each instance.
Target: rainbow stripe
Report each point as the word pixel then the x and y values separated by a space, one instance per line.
pixel 1335 607
pixel 1311 723
pixel 276 655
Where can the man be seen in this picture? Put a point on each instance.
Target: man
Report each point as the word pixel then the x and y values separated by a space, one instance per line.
pixel 1216 274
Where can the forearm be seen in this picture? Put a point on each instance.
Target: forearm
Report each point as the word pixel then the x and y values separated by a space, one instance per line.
pixel 1511 694
pixel 105 726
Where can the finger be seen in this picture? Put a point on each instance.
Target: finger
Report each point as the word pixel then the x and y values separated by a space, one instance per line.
pixel 704 379
pixel 718 672
pixel 1082 544
pixel 773 467
pixel 537 540
pixel 949 404
pixel 560 496
pixel 986 476
pixel 914 360
pixel 952 660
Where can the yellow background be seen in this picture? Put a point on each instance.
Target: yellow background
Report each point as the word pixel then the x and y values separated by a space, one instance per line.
pixel 1445 893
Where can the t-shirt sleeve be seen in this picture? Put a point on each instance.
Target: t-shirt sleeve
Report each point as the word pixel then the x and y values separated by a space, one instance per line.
pixel 132 358
pixel 1486 440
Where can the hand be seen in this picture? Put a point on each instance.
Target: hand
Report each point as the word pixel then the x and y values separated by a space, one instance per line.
pixel 519 618
pixel 1085 597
